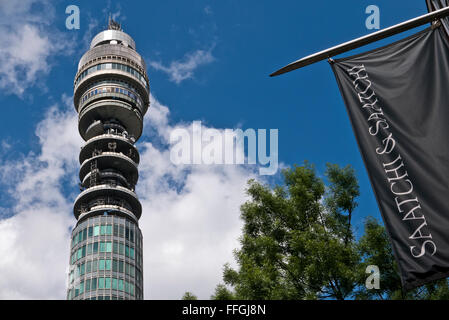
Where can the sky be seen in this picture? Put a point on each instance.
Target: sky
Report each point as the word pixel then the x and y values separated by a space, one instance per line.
pixel 207 61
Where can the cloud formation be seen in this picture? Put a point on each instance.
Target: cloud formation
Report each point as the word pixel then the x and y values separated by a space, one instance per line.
pixel 34 240
pixel 27 43
pixel 180 70
pixel 191 215
pixel 190 220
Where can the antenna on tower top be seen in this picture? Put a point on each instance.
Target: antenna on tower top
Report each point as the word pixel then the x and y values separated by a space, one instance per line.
pixel 114 25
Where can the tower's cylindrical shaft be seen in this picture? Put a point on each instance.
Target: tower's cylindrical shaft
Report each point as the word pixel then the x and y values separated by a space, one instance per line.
pixel 111 96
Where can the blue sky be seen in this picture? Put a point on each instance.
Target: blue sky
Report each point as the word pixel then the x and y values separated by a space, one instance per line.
pixel 208 61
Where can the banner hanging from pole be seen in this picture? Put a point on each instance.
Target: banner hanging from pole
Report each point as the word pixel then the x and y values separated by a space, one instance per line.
pixel 397 98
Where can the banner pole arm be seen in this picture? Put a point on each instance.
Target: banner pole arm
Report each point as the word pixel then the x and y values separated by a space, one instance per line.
pixel 359 42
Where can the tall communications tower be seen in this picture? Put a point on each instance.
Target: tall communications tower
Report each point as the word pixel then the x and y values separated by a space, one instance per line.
pixel 111 96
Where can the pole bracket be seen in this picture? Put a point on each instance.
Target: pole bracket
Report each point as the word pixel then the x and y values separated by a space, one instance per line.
pixel 436 24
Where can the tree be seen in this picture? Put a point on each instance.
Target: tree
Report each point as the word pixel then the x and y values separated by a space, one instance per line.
pixel 297 243
pixel 189 296
pixel 222 293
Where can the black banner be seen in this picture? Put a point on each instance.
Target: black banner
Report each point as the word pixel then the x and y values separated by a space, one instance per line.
pixel 397 98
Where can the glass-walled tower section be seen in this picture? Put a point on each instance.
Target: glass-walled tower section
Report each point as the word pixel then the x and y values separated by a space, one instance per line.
pixel 111 96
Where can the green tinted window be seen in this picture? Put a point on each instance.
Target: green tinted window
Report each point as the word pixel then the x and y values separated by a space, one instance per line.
pixel 108 264
pixel 114 283
pixel 101 264
pixel 120 285
pixel 96 231
pixel 107 283
pixel 100 283
pixel 94 283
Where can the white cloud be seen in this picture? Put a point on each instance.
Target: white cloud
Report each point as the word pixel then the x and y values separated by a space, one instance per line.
pixel 190 219
pixel 191 216
pixel 190 235
pixel 34 242
pixel 27 42
pixel 180 70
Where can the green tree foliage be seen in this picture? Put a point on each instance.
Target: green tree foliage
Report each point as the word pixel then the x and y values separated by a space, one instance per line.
pixel 189 296
pixel 222 293
pixel 298 243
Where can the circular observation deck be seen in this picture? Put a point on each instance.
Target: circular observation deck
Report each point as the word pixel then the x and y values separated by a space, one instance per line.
pixel 103 143
pixel 100 191
pixel 115 71
pixel 107 175
pixel 103 110
pixel 112 160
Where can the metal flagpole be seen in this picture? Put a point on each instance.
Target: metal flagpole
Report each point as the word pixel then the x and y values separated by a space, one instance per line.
pixel 354 44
